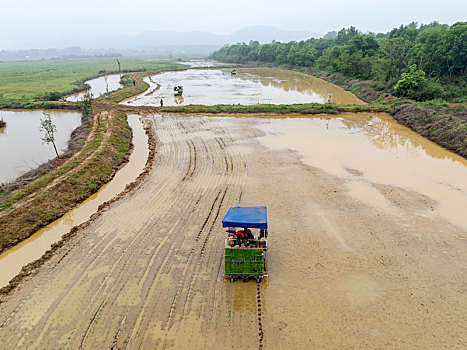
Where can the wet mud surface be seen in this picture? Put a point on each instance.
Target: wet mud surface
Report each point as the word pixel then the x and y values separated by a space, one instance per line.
pixel 344 272
pixel 250 86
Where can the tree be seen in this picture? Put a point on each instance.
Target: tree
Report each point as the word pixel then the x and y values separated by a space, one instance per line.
pixel 86 106
pixel 330 35
pixel 49 129
pixel 397 52
pixel 410 82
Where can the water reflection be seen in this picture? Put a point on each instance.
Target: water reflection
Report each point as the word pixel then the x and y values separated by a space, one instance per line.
pixel 298 82
pixel 21 147
pixel 387 134
pixel 178 100
pixel 99 86
pixel 249 86
pixel 382 151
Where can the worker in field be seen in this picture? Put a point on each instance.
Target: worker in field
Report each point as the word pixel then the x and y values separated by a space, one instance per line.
pixel 247 233
pixel 162 103
pixel 244 236
pixel 239 237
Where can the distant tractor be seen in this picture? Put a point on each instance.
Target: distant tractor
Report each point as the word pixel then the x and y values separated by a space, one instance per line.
pixel 245 251
pixel 178 90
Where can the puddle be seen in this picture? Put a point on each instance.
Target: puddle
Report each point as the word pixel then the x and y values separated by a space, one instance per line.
pixel 12 260
pixel 378 150
pixel 21 147
pixel 99 87
pixel 250 86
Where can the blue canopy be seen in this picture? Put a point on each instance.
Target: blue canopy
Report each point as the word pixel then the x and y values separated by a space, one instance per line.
pixel 249 217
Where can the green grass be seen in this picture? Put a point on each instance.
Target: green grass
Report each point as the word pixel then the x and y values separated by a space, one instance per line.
pixel 29 80
pixel 307 108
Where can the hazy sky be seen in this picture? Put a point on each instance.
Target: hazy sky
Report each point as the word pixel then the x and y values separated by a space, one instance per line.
pixel 27 20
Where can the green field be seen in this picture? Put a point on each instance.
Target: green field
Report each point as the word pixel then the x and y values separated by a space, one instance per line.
pixel 28 80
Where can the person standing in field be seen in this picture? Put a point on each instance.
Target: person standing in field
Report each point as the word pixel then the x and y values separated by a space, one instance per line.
pixel 162 103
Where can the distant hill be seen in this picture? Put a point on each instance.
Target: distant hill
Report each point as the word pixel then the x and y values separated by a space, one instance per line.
pixel 148 40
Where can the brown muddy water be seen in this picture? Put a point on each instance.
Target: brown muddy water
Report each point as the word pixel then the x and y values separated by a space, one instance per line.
pixel 371 152
pixel 21 147
pixel 99 86
pixel 12 260
pixel 249 87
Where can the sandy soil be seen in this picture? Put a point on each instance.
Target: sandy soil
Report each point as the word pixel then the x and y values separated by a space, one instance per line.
pixel 147 273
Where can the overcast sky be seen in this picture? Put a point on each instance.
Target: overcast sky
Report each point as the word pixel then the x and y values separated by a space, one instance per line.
pixel 26 20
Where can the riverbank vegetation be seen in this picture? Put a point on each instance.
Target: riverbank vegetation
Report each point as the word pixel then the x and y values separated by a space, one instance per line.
pixel 435 51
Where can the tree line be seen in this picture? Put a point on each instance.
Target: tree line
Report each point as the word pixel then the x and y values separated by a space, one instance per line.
pixel 435 53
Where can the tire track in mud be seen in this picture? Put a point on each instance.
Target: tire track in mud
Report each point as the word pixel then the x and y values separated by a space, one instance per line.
pixel 217 203
pixel 192 161
pixel 210 287
pixel 214 151
pixel 174 308
pixel 259 309
pixel 149 269
pixel 167 221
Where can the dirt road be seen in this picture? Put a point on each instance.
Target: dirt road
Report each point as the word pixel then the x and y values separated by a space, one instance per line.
pixel 148 272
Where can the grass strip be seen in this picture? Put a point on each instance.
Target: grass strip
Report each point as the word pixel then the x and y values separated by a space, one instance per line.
pixel 307 108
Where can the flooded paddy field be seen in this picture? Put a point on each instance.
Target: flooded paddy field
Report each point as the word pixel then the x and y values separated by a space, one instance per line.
pixel 99 86
pixel 21 146
pixel 249 86
pixel 361 255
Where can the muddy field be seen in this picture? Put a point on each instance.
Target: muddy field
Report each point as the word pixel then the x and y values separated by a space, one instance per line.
pixel 344 273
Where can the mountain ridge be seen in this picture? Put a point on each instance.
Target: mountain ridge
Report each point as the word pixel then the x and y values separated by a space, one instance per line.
pixel 154 39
